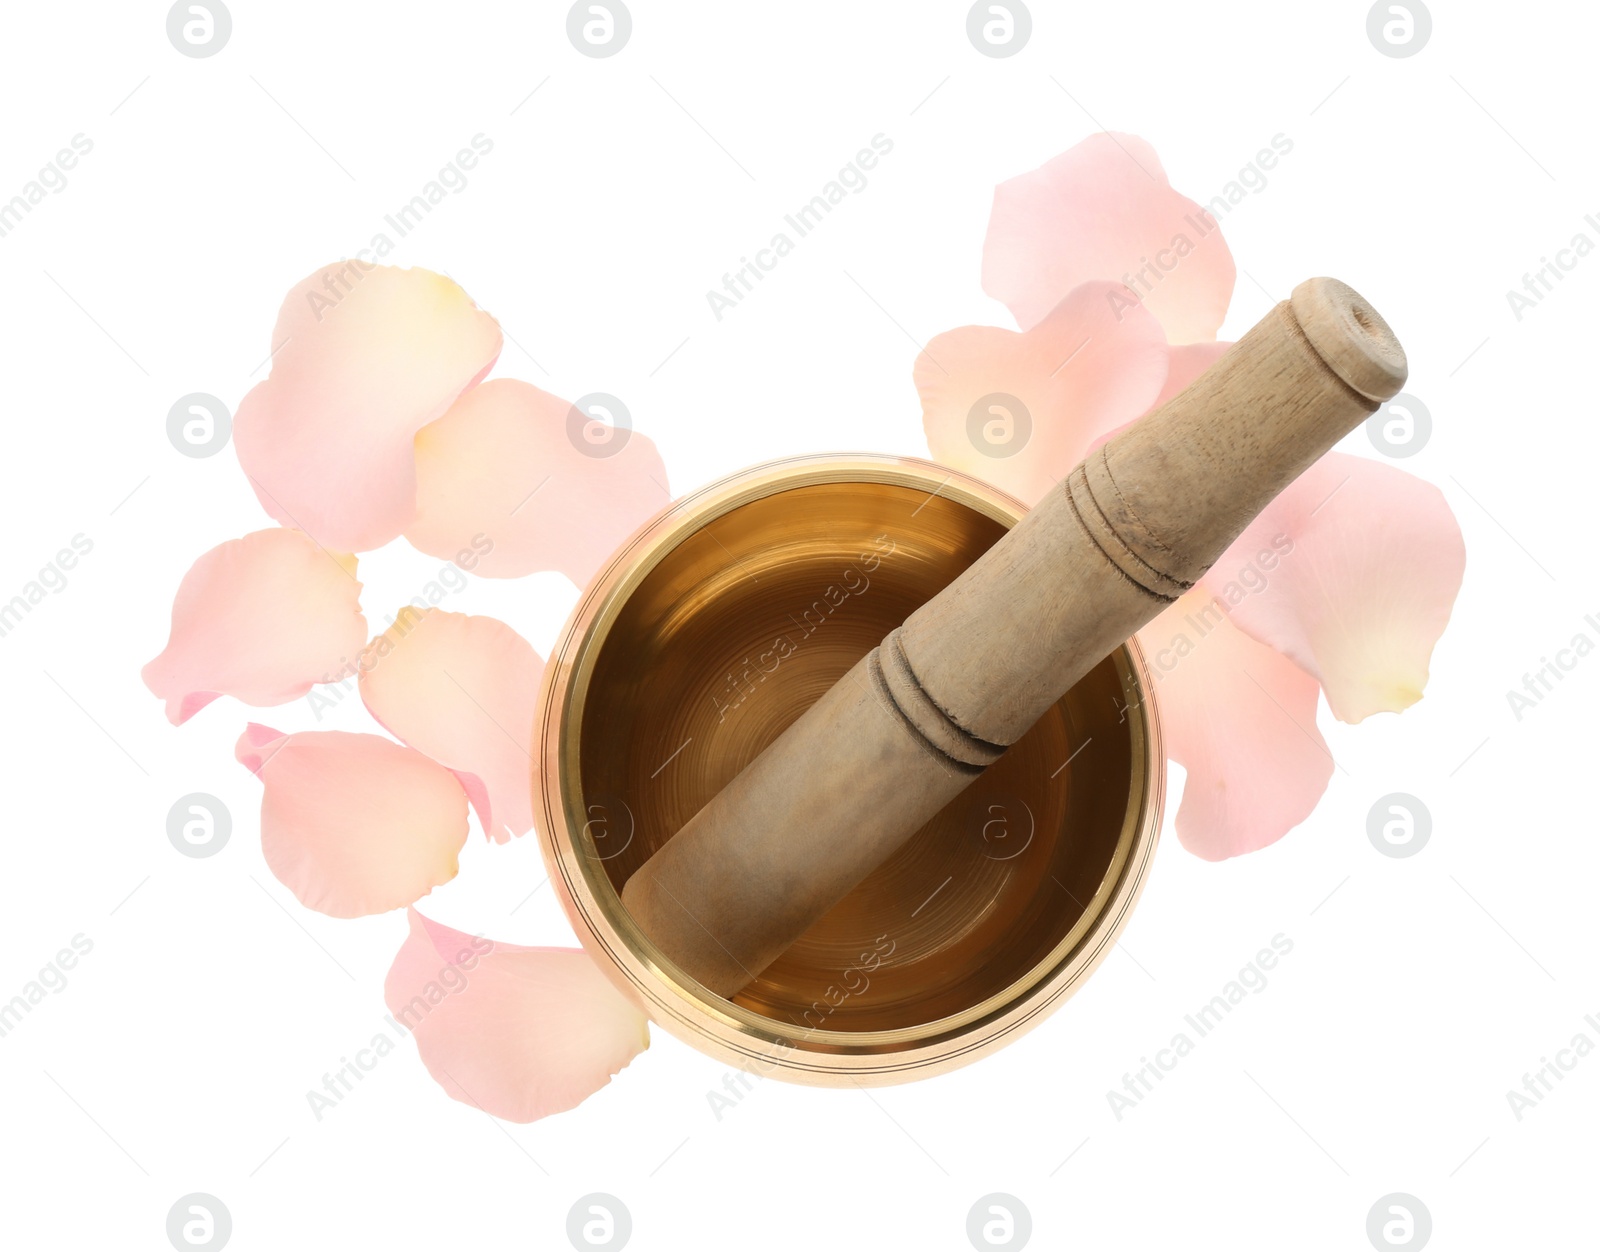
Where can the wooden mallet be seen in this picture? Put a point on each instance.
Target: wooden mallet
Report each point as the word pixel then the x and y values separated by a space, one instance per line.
pixel 925 712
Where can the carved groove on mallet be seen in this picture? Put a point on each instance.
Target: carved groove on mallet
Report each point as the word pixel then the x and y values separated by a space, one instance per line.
pixel 897 687
pixel 922 715
pixel 1112 545
pixel 927 716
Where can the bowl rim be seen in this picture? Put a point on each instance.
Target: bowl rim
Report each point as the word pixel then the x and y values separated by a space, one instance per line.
pixel 673 999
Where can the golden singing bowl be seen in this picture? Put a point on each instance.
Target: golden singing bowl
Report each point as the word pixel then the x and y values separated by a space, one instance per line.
pixel 705 636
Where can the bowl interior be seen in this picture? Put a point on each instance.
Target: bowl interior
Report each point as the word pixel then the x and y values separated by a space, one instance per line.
pixel 736 632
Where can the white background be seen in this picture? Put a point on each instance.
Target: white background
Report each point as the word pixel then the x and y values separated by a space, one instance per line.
pixel 1419 991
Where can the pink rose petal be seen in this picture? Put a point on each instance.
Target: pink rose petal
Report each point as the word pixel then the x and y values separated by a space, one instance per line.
pixel 462 690
pixel 541 485
pixel 1104 210
pixel 520 1033
pixel 1360 601
pixel 364 356
pixel 1242 721
pixel 1185 363
pixel 354 824
pixel 1096 362
pixel 261 619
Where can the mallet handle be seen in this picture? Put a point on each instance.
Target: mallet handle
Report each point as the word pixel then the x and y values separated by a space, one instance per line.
pixel 966 676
